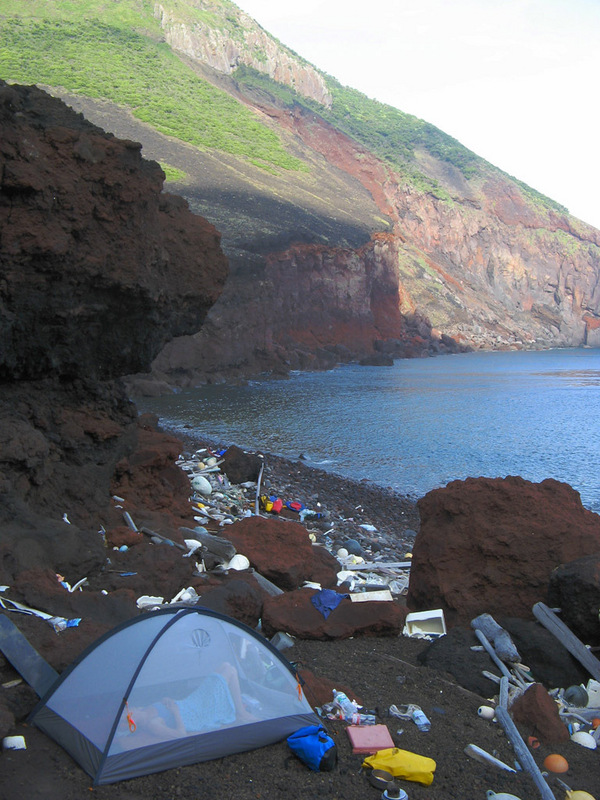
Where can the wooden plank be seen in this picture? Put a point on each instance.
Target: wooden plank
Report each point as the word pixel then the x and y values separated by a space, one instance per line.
pixel 25 658
pixel 525 758
pixel 375 566
pixel 567 638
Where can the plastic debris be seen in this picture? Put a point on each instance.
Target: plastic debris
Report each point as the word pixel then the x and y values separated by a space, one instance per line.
pixel 148 601
pixel 188 595
pixel 68 586
pixel 486 758
pixel 14 743
pixel 58 623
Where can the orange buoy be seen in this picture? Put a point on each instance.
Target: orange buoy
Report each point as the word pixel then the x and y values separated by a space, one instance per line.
pixel 556 763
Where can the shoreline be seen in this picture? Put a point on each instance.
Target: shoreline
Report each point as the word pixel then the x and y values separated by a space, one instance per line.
pixel 345 504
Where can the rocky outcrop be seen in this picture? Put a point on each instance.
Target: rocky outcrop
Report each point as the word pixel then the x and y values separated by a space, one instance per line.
pixel 294 613
pixel 485 269
pixel 489 545
pixel 575 589
pixel 281 551
pixel 224 48
pixel 98 269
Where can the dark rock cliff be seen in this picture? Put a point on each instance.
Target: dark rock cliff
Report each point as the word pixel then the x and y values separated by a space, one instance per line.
pixel 98 269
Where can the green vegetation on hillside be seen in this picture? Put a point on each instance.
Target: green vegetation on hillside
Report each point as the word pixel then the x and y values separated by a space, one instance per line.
pixel 136 14
pixel 393 134
pixel 118 63
pixel 172 173
pixel 115 50
pixel 388 133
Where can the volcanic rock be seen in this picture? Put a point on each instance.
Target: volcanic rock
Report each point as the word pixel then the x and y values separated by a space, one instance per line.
pixel 549 662
pixel 240 466
pixel 235 598
pixel 294 613
pixel 280 550
pixel 99 267
pixel 575 589
pixel 490 545
pixel 538 714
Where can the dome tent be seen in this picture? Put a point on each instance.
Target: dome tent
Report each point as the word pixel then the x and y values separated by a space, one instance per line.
pixel 171 687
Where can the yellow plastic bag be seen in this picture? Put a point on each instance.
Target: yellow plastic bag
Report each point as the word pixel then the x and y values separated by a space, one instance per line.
pixel 403 764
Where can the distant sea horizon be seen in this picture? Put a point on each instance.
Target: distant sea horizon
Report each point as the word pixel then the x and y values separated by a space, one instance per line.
pixel 419 424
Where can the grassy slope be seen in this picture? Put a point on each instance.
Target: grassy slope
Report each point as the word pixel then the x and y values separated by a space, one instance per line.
pixel 122 59
pixel 115 51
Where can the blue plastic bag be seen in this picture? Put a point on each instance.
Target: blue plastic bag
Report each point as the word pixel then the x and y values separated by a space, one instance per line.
pixel 315 747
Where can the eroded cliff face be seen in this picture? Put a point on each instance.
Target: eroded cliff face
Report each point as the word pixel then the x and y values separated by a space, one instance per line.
pixel 225 50
pixel 485 270
pixel 98 269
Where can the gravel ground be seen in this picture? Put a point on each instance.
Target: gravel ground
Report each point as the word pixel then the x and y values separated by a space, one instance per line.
pixel 380 672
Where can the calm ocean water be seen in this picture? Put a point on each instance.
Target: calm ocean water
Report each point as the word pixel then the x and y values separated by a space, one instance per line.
pixel 421 423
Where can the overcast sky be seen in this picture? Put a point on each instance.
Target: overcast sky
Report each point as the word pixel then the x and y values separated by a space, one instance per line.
pixel 516 81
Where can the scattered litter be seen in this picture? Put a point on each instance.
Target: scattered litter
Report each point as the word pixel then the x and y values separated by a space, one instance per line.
pixel 68 586
pixel 556 763
pixel 239 563
pixel 281 640
pixel 486 758
pixel 381 596
pixel 149 602
pixel 425 624
pixel 326 601
pixel 413 712
pixel 58 623
pixel 369 739
pixel 188 595
pixel 403 764
pixel 585 739
pixel 14 743
pixel 12 684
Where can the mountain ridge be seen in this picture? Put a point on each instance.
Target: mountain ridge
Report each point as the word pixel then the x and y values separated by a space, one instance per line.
pixel 466 257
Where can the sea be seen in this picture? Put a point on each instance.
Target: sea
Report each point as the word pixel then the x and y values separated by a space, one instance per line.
pixel 419 424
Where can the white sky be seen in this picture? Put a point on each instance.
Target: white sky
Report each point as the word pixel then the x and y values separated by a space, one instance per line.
pixel 516 81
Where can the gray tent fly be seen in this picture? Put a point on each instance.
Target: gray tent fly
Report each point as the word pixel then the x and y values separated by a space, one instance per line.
pixel 175 686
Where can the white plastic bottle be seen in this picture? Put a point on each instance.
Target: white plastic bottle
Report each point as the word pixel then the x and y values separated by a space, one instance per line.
pixel 420 720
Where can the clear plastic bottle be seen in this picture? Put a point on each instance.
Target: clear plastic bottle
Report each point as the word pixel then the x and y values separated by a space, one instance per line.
pixel 420 720
pixel 348 708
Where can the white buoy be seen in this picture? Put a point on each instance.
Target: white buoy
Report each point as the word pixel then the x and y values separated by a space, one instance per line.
pixel 201 485
pixel 486 712
pixel 584 739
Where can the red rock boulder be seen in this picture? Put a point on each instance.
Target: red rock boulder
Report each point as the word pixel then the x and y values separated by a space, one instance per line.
pixel 294 613
pixel 281 551
pixel 491 544
pixel 537 713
